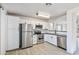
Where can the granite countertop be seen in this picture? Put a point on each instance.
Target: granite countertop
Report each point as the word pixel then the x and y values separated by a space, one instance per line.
pixel 60 35
pixel 55 34
pixel 49 33
pixel 44 29
pixel 52 32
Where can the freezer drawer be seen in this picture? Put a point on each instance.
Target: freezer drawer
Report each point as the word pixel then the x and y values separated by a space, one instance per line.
pixel 61 42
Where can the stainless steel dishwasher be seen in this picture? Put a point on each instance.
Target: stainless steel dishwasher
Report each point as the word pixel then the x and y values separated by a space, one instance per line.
pixel 61 41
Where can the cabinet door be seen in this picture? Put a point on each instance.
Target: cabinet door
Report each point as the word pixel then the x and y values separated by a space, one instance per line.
pixel 51 26
pixel 13 39
pixel 54 39
pixel 49 38
pixel 46 37
pixel 13 33
pixel 35 39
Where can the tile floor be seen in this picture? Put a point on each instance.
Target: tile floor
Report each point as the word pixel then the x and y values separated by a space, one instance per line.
pixel 40 49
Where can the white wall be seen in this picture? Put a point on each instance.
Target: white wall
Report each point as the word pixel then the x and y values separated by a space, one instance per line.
pixel 72 30
pixel 71 33
pixel 3 31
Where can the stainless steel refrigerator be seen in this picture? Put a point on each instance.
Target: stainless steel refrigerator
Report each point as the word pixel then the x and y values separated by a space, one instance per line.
pixel 26 35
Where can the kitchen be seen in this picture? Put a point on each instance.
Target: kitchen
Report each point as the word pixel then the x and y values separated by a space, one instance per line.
pixel 37 29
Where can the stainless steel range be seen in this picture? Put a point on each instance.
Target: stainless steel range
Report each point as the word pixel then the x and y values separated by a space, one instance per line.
pixel 39 34
pixel 40 38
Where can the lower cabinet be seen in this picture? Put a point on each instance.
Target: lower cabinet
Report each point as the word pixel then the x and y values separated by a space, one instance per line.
pixel 13 39
pixel 50 38
pixel 35 39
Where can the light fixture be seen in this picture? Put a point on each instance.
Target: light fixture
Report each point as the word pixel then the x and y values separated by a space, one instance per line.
pixel 43 14
pixel 48 4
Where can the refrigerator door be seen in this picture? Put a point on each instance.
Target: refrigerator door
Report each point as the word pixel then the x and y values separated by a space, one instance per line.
pixel 27 35
pixel 28 27
pixel 29 39
pixel 23 40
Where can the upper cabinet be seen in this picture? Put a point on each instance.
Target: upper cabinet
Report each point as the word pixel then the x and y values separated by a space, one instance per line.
pixel 45 26
pixel 51 26
pixel 58 27
pixel 60 23
pixel 64 27
pixel 61 27
pixel 13 22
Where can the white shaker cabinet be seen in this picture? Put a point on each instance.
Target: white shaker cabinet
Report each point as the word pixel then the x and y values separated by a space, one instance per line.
pixel 50 38
pixel 13 33
pixel 51 26
pixel 35 39
pixel 46 37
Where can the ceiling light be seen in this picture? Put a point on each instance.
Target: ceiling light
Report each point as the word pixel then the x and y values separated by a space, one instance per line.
pixel 47 4
pixel 43 14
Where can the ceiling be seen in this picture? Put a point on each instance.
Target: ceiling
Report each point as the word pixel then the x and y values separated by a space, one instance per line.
pixel 30 9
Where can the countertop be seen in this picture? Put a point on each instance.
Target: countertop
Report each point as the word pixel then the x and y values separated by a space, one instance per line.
pixel 49 33
pixel 52 32
pixel 49 30
pixel 55 34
